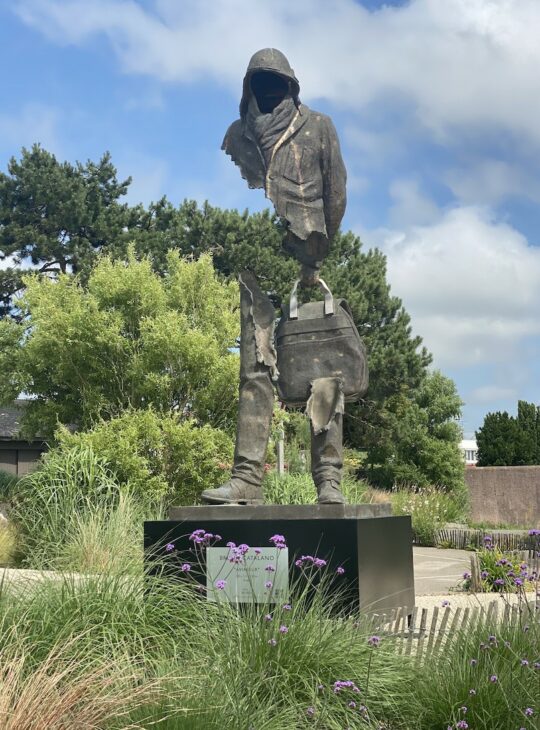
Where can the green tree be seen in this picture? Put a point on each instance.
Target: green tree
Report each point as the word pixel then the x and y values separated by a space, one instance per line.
pixel 57 215
pixel 129 339
pixel 419 440
pixel 237 241
pixel 527 447
pixel 497 440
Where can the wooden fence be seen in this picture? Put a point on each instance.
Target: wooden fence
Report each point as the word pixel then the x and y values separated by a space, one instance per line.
pixel 465 539
pixel 424 631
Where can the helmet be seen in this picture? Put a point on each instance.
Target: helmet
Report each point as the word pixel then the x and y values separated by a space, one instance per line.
pixel 269 59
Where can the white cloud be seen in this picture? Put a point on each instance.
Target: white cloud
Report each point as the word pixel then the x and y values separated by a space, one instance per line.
pixel 410 206
pixel 453 63
pixel 490 181
pixel 470 282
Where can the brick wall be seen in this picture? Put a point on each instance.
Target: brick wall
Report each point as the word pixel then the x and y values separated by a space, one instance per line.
pixel 505 494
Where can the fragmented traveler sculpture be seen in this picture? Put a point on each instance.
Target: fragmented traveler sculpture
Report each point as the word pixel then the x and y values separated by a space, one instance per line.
pixel 317 358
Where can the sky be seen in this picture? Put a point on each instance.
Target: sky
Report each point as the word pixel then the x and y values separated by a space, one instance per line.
pixel 436 103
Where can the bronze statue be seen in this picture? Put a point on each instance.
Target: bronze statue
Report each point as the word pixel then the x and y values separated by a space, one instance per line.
pixel 292 152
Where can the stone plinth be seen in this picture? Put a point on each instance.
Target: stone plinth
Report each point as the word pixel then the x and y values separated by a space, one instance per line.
pixel 373 547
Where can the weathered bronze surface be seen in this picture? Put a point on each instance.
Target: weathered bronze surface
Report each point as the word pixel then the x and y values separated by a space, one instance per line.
pixel 293 153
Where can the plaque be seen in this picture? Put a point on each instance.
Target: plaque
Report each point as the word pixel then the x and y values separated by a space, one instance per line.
pixel 259 575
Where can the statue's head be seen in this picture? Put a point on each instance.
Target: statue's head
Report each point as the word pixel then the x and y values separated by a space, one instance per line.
pixel 269 77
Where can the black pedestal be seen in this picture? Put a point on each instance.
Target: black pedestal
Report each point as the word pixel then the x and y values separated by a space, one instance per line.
pixel 374 548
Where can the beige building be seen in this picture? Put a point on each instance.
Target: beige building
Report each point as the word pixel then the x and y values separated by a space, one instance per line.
pixel 17 456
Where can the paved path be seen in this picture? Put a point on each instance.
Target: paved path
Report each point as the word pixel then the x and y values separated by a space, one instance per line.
pixel 438 572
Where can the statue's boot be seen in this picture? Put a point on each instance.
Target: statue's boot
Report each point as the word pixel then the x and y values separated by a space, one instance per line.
pixel 325 409
pixel 256 398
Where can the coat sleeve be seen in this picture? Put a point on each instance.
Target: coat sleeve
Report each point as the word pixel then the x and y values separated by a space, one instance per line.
pixel 334 179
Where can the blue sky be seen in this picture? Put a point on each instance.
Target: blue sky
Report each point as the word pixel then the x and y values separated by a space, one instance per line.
pixel 436 104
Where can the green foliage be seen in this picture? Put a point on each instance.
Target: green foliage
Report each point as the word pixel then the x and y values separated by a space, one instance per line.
pixel 57 214
pixel 443 684
pixel 430 508
pixel 7 483
pixel 419 439
pixel 159 457
pixel 503 571
pixel 299 489
pixel 130 339
pixel 507 441
pixel 46 500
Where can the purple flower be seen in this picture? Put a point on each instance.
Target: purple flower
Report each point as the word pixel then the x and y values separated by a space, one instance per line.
pixel 169 547
pixel 230 544
pixel 524 663
pixel 352 704
pixel 499 582
pixel 268 617
pixel 463 709
pixel 462 725
pixel 492 639
pixel 374 640
pixel 283 629
pixel 186 567
pixel 268 584
pixel 536 665
pixel 474 662
pixel 286 607
pixel 220 584
pixel 217 538
pixel 347 684
pixel 340 570
pixel 299 563
pixel 445 603
pixel 529 711
pixel 518 581
pixel 279 541
pixel 484 574
pixel 320 687
pixel 319 563
pixel 272 642
pixel 310 711
pixel 472 692
pixel 534 533
pixel 466 575
pixel 270 569
pixel 488 538
pixel 493 678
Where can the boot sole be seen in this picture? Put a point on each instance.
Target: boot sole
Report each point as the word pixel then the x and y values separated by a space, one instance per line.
pixel 218 500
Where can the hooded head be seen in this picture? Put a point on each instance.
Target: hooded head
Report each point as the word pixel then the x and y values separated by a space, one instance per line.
pixel 269 77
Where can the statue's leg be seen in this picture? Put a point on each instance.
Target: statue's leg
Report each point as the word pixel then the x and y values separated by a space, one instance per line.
pixel 325 410
pixel 256 398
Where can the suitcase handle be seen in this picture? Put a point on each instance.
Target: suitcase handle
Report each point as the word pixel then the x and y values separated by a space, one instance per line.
pixel 328 299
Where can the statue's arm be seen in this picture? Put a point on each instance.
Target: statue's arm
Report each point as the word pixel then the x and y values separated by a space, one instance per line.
pixel 334 179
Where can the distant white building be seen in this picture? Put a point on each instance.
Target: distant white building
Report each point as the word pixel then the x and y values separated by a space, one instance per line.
pixel 469 450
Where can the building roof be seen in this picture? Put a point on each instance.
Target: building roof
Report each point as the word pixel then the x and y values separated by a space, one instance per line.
pixel 10 421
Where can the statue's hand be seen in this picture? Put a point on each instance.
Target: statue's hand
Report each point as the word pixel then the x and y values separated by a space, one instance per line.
pixel 309 276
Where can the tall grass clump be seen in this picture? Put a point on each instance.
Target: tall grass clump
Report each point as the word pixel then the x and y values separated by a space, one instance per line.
pixel 486 678
pixel 430 508
pixel 67 689
pixel 299 489
pixel 71 514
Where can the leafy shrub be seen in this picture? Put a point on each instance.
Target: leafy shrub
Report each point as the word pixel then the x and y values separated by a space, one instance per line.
pixel 160 457
pixel 430 508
